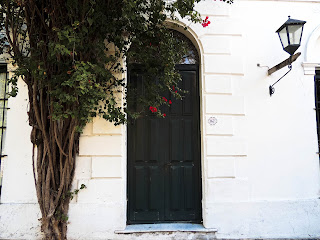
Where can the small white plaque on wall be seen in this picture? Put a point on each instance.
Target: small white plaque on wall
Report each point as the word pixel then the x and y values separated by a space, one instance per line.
pixel 219 125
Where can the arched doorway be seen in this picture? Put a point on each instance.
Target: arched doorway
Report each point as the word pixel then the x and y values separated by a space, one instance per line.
pixel 164 172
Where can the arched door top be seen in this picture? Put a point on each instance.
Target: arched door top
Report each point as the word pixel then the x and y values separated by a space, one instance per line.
pixel 192 56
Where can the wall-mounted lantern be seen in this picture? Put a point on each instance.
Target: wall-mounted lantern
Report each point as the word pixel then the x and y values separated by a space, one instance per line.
pixel 290 34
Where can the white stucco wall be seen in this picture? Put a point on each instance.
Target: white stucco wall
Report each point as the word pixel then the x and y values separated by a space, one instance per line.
pixel 260 168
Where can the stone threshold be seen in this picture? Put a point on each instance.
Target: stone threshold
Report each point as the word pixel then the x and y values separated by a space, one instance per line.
pixel 165 227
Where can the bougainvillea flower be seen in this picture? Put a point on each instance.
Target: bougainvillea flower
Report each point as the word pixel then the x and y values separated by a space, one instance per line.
pixel 205 22
pixel 164 115
pixel 170 102
pixel 166 100
pixel 153 109
pixel 173 88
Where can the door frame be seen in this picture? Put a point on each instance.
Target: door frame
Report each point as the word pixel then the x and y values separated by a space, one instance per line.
pixel 189 33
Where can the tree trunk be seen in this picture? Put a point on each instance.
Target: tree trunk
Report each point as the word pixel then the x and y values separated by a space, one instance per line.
pixel 55 145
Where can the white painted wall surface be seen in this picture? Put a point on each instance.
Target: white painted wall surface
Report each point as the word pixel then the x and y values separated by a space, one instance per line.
pixel 260 169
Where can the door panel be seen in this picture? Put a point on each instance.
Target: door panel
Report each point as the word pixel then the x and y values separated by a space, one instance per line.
pixel 164 183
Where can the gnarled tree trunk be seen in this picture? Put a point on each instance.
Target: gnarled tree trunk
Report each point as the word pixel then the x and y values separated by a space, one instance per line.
pixel 55 145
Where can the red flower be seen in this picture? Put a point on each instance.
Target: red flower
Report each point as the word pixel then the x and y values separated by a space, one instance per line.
pixel 176 91
pixel 164 115
pixel 153 109
pixel 164 99
pixel 173 88
pixel 170 102
pixel 205 22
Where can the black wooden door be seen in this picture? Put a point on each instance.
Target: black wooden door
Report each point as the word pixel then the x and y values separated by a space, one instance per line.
pixel 164 179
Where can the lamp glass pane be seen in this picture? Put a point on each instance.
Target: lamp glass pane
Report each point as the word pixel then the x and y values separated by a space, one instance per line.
pixel 283 37
pixel 295 34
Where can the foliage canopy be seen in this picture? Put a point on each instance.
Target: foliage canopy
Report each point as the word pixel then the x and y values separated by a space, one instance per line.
pixel 73 49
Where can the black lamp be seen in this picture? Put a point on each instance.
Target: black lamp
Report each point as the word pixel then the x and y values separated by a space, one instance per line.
pixel 290 34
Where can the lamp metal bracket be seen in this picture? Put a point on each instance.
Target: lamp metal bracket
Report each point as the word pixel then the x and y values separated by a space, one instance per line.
pixel 271 88
pixel 286 62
